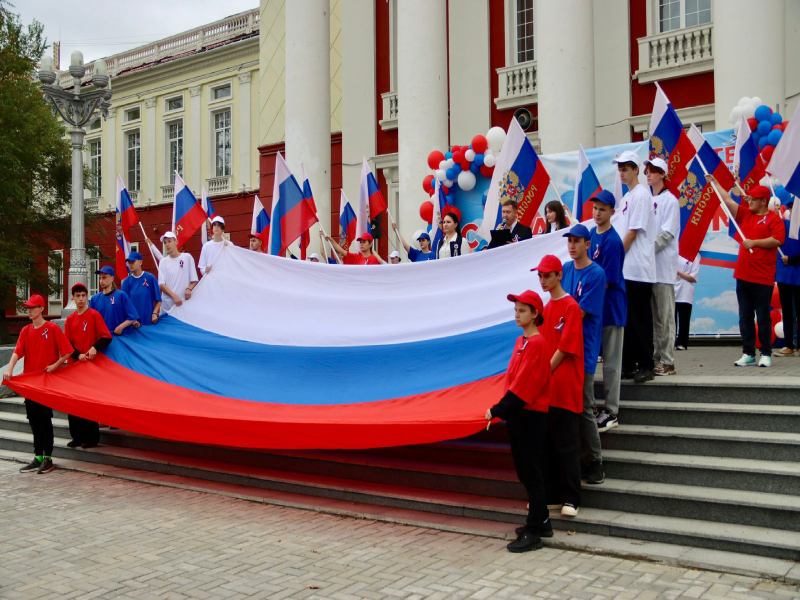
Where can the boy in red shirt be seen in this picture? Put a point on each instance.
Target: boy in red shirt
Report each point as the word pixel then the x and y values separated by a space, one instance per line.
pixel 563 334
pixel 45 348
pixel 763 231
pixel 524 407
pixel 87 332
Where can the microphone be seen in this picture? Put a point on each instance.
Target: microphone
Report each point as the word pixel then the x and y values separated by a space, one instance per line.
pixel 503 224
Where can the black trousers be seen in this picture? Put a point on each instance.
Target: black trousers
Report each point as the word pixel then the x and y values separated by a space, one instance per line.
pixel 527 432
pixel 84 430
pixel 754 298
pixel 637 344
pixel 40 418
pixel 562 465
pixel 790 304
pixel 683 315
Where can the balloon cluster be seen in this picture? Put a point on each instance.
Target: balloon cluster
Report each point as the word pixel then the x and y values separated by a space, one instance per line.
pixel 767 126
pixel 461 166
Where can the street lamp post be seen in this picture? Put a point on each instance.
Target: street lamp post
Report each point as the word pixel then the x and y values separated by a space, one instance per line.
pixel 76 109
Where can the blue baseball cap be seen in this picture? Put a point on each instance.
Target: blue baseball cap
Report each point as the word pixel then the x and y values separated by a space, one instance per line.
pixel 580 231
pixel 605 197
pixel 423 236
pixel 107 270
pixel 134 256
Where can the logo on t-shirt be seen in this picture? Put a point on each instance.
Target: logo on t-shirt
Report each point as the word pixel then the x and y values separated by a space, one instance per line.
pixel 625 208
pixel 763 221
pixel 560 324
pixel 112 299
pixel 44 333
pixel 655 208
pixel 596 253
pixel 145 284
pixel 85 324
pixel 580 289
pixel 180 263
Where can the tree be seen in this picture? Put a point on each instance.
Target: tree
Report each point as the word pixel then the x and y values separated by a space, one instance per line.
pixel 35 171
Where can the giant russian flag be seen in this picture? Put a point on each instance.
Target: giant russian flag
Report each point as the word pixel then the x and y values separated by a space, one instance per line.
pixel 518 175
pixel 586 186
pixel 260 223
pixel 187 213
pixel 347 222
pixel 126 218
pixel 273 353
pixel 669 141
pixel 291 212
pixel 785 165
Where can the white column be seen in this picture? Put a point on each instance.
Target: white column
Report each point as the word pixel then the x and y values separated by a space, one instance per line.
pixel 109 160
pixel 245 151
pixel 612 74
pixel 748 61
pixel 194 141
pixel 470 94
pixel 792 59
pixel 149 153
pixel 308 100
pixel 422 100
pixel 564 48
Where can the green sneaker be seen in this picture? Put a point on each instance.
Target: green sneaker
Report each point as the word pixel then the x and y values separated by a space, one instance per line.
pixel 746 361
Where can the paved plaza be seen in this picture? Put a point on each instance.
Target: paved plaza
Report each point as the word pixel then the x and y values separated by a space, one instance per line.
pixel 75 535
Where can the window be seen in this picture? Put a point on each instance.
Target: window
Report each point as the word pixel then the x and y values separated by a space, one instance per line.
pixel 175 138
pixel 95 125
pixel 698 12
pixel 223 91
pixel 95 168
pixel 93 262
pixel 175 103
pixel 134 161
pixel 55 272
pixel 677 14
pixel 132 114
pixel 222 143
pixel 524 30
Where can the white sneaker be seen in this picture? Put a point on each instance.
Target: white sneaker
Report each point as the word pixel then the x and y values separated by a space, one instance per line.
pixel 554 506
pixel 746 361
pixel 766 361
pixel 569 510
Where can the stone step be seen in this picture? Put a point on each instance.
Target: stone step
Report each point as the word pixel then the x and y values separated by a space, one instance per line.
pixel 458 512
pixel 699 441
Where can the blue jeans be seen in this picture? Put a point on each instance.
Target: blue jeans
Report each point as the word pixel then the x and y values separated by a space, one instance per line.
pixel 754 298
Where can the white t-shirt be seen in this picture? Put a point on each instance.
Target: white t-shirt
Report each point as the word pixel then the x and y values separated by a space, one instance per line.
pixel 668 218
pixel 209 253
pixel 636 208
pixel 684 290
pixel 176 274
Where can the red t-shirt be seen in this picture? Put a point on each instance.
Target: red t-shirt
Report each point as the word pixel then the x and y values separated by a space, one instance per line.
pixel 84 330
pixel 528 373
pixel 563 330
pixel 41 347
pixel 356 258
pixel 758 267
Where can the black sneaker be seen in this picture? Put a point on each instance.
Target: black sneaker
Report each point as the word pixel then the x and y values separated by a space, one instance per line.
pixel 643 375
pixel 73 444
pixel 596 474
pixel 546 529
pixel 606 421
pixel 526 542
pixel 627 375
pixel 46 466
pixel 31 468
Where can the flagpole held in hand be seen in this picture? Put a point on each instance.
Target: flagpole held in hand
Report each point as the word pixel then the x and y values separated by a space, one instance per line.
pixel 148 245
pixel 325 248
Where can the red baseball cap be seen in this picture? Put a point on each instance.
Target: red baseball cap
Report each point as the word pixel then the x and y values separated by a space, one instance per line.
pixel 367 237
pixel 80 286
pixel 528 297
pixel 549 264
pixel 35 300
pixel 760 191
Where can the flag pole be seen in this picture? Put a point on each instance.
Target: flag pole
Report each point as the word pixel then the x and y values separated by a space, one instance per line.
pixel 325 248
pixel 724 206
pixel 148 245
pixel 566 208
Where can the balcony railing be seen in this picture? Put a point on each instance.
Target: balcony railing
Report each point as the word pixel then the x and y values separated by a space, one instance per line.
pixel 218 185
pixel 676 53
pixel 92 204
pixel 167 193
pixel 389 120
pixel 516 85
pixel 193 40
pixel 134 194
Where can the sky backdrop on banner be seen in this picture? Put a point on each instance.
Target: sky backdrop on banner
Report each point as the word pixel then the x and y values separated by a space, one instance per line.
pixel 103 28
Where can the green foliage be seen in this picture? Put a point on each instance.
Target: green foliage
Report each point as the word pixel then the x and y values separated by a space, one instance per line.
pixel 35 184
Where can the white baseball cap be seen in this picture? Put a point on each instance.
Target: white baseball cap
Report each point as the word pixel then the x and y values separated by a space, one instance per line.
pixel 168 235
pixel 628 156
pixel 218 219
pixel 394 254
pixel 658 163
pixel 313 256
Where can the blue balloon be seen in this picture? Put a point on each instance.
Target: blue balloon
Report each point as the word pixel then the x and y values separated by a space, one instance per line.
pixel 776 118
pixel 774 136
pixel 764 127
pixel 448 155
pixel 756 136
pixel 457 168
pixel 470 146
pixel 763 113
pixel 475 167
pixel 783 195
pixel 478 160
pixel 450 174
pixel 763 142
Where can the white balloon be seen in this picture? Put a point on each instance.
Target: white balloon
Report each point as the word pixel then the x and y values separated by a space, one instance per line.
pixel 490 160
pixel 736 115
pixel 447 183
pixel 774 204
pixel 470 155
pixel 749 111
pixel 779 330
pixel 440 174
pixel 466 180
pixel 450 163
pixel 496 136
pixel 756 101
pixel 443 165
pixel 744 101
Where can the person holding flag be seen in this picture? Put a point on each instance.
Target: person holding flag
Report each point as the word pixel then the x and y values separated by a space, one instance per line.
pixel 114 305
pixel 212 247
pixel 364 256
pixel 142 287
pixel 763 231
pixel 259 227
pixel 176 274
pixel 126 218
pixel 423 239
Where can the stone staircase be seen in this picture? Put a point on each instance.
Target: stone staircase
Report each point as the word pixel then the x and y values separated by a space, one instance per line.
pixel 709 465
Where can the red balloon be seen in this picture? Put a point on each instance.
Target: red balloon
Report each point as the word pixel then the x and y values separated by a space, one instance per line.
pixel 432 192
pixel 458 156
pixel 434 158
pixel 445 190
pixel 464 149
pixel 427 183
pixel 455 149
pixel 753 123
pixel 776 299
pixel 479 144
pixel 777 126
pixel 465 165
pixel 766 153
pixel 426 211
pixel 452 209
pixel 487 171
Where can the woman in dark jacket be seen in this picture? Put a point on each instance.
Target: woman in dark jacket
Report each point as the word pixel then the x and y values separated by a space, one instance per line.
pixel 453 243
